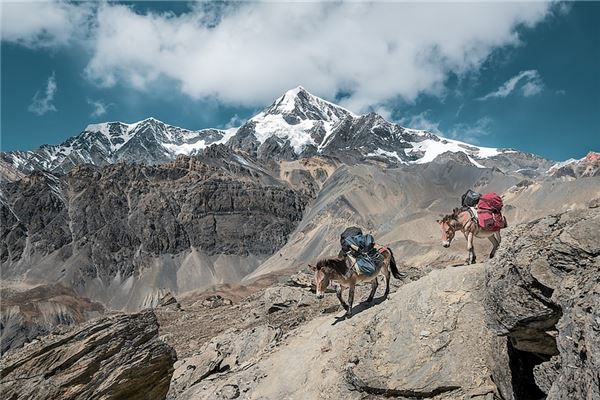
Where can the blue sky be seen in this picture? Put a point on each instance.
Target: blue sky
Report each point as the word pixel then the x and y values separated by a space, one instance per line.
pixel 520 75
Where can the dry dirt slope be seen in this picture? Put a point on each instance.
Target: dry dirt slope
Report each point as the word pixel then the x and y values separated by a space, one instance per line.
pixel 400 205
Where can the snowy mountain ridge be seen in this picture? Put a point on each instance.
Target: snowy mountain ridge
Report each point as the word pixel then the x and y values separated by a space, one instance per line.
pixel 149 140
pixel 297 124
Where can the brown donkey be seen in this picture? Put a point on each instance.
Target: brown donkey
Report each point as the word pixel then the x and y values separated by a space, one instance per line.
pixel 340 270
pixel 463 220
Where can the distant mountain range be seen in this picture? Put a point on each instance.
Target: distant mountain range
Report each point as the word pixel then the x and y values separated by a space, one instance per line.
pixel 298 124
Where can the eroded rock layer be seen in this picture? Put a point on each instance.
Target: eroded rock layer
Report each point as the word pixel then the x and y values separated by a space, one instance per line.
pixel 118 357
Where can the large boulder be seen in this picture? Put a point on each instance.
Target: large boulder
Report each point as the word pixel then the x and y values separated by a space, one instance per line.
pixel 543 293
pixel 117 357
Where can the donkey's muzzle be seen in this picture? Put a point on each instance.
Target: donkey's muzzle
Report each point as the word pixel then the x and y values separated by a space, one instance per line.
pixel 319 295
pixel 446 244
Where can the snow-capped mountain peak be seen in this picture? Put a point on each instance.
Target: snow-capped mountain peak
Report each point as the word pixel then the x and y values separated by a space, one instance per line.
pixel 299 117
pixel 577 168
pixel 299 102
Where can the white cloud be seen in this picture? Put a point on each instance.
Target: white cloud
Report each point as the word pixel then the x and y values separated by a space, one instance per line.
pixel 460 108
pixel 248 53
pixel 99 107
pixel 44 23
pixel 253 52
pixel 234 122
pixel 42 103
pixel 471 133
pixel 420 121
pixel 532 86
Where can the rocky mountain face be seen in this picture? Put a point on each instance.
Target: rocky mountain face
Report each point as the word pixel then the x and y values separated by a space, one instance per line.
pixel 296 125
pixel 115 215
pixel 120 232
pixel 522 326
pixel 542 292
pixel 117 357
pixel 26 313
pixel 573 169
pixel 399 206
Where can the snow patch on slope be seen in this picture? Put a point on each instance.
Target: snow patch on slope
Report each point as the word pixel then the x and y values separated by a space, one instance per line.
pixel 561 164
pixel 191 147
pixel 388 154
pixel 274 125
pixel 432 148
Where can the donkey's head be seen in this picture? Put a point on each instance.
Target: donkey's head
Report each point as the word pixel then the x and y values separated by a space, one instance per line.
pixel 449 225
pixel 323 273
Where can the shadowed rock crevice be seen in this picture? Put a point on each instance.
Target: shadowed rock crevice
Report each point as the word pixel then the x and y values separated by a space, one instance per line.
pixel 543 292
pixel 522 364
pixel 356 383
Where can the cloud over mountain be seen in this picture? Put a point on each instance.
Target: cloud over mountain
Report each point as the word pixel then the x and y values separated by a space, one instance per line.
pixel 247 53
pixel 532 86
pixel 43 103
pixel 37 24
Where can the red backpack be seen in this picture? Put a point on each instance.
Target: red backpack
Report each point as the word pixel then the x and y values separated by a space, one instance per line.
pixel 491 202
pixel 488 212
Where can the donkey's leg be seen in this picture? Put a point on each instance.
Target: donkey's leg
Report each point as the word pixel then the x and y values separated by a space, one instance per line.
pixel 350 301
pixel 495 245
pixel 374 285
pixel 472 258
pixel 386 274
pixel 338 290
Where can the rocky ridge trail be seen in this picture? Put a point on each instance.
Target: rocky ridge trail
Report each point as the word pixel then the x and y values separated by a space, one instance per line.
pixel 521 326
pixel 405 346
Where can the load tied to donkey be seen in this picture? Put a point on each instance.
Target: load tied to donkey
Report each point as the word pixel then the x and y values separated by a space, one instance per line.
pixel 361 259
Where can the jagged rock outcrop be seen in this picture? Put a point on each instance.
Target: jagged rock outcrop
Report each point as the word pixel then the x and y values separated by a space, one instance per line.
pixel 118 357
pixel 543 291
pixel 28 313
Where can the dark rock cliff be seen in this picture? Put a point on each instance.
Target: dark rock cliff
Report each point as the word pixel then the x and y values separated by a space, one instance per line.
pixel 109 220
pixel 543 291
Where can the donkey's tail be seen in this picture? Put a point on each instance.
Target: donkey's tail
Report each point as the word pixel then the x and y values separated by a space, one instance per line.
pixel 393 266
